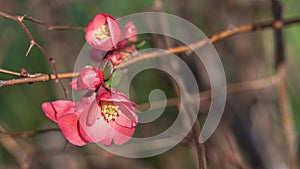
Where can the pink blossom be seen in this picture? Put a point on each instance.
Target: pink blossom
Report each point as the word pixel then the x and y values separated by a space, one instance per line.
pixel 116 57
pixel 130 32
pixel 62 112
pixel 106 117
pixel 110 117
pixel 122 52
pixel 88 79
pixel 103 32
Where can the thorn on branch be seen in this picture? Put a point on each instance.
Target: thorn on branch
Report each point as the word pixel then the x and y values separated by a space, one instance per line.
pixel 20 19
pixel 32 43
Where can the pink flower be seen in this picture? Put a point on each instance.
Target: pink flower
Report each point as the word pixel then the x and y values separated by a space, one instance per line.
pixel 116 57
pixel 103 32
pixel 122 52
pixel 106 117
pixel 110 117
pixel 62 112
pixel 88 79
pixel 130 32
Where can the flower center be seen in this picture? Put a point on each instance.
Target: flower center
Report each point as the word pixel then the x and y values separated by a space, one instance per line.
pixel 110 112
pixel 102 32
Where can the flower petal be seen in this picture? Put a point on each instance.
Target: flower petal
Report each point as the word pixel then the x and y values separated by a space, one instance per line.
pixel 100 19
pixel 130 32
pixel 113 95
pixel 121 134
pixel 93 113
pixel 115 31
pixel 128 117
pixel 70 128
pixel 108 138
pixel 54 110
pixel 116 57
pixel 98 130
pixel 74 83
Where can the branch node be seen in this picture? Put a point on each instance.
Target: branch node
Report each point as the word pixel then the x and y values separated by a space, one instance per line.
pixel 278 24
pixel 52 60
pixel 24 73
pixel 21 18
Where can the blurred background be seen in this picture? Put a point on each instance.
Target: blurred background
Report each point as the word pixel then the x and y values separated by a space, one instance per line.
pixel 250 134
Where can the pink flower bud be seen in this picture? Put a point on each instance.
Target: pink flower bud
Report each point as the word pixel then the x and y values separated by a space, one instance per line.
pixel 88 79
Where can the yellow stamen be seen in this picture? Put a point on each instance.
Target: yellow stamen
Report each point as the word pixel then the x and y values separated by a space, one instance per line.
pixel 110 112
pixel 102 32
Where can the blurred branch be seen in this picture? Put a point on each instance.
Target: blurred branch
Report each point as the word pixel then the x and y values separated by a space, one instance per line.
pixel 26 133
pixel 250 85
pixel 279 47
pixel 283 99
pixel 214 38
pixel 231 88
pixel 286 118
pixel 21 152
pixel 199 146
pixel 20 19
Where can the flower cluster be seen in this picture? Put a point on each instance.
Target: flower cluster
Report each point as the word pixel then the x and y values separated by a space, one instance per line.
pixel 106 37
pixel 103 114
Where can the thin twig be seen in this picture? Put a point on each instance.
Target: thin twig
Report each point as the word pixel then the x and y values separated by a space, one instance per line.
pixel 231 88
pixel 199 146
pixel 26 133
pixel 214 38
pixel 286 118
pixel 20 19
pixel 255 84
pixel 53 27
pixel 10 72
pixel 21 152
pixel 40 78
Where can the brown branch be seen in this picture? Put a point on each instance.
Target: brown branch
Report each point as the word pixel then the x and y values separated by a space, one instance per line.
pixel 283 99
pixel 279 47
pixel 26 133
pixel 10 72
pixel 231 88
pixel 250 85
pixel 53 27
pixel 286 118
pixel 21 152
pixel 39 78
pixel 214 38
pixel 199 146
pixel 20 19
